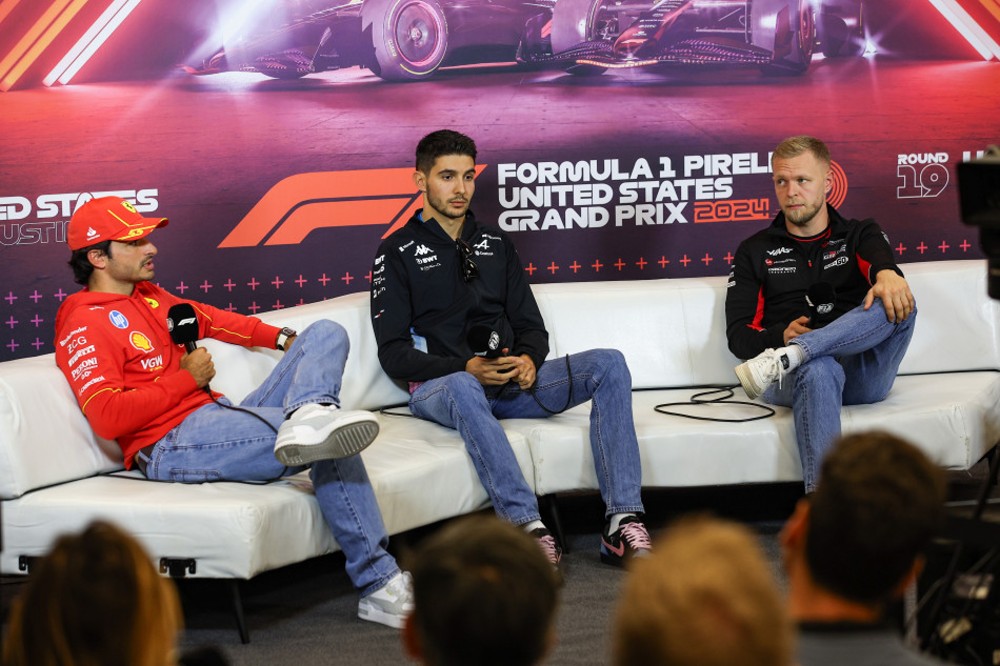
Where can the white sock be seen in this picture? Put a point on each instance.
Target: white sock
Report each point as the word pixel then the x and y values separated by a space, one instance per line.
pixel 532 526
pixel 616 520
pixel 795 355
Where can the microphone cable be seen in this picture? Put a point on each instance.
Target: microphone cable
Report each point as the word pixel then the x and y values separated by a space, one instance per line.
pixel 182 325
pixel 569 392
pixel 238 408
pixel 701 399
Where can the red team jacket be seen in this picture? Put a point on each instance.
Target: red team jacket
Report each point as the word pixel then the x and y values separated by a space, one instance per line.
pixel 124 369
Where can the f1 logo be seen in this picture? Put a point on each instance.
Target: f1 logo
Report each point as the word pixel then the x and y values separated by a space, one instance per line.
pixel 300 204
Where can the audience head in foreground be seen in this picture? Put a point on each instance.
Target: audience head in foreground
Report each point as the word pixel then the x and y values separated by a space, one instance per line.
pixel 856 544
pixel 859 537
pixel 483 594
pixel 705 597
pixel 94 600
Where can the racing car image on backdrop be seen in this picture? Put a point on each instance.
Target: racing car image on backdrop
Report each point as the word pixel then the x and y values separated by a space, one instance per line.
pixel 777 35
pixel 411 39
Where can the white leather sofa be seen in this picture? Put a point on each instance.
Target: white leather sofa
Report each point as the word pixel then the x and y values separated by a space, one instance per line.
pixel 56 475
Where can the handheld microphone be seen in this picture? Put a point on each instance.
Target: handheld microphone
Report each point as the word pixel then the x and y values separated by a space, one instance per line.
pixel 182 322
pixel 820 298
pixel 484 341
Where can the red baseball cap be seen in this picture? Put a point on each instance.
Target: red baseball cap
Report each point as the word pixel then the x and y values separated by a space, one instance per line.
pixel 108 218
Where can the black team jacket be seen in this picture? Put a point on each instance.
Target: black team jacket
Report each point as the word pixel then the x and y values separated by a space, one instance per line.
pixel 772 273
pixel 422 308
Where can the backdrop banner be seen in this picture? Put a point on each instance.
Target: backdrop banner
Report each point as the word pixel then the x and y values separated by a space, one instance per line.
pixel 280 187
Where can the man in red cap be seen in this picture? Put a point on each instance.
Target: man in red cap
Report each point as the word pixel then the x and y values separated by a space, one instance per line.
pixel 138 386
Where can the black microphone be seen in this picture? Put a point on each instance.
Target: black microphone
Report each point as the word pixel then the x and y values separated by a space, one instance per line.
pixel 820 298
pixel 182 322
pixel 485 341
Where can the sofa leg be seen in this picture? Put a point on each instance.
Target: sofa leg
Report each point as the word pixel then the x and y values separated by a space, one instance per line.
pixel 237 598
pixel 549 505
pixel 993 458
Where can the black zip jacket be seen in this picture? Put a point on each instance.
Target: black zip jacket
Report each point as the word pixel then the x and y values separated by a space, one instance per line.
pixel 772 273
pixel 422 308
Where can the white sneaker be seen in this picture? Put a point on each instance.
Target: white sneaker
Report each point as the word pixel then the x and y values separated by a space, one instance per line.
pixel 323 432
pixel 390 604
pixel 763 370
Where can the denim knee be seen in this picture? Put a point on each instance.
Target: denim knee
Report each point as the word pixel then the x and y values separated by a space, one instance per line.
pixel 451 391
pixel 824 371
pixel 612 362
pixel 462 381
pixel 325 328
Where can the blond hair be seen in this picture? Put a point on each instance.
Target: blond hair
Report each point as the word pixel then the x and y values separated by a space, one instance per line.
pixel 794 146
pixel 94 600
pixel 705 597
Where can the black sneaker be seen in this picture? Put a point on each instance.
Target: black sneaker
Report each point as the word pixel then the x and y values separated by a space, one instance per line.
pixel 630 540
pixel 548 544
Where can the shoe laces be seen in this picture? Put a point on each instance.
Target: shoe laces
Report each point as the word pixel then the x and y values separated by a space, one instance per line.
pixel 636 536
pixel 548 545
pixel 399 587
pixel 774 367
pixel 405 584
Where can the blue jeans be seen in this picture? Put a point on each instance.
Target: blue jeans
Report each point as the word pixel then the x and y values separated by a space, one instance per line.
pixel 218 444
pixel 851 361
pixel 459 401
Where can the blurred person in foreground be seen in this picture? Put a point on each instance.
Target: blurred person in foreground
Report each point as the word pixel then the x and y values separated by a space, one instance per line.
pixel 94 600
pixel 483 594
pixel 856 544
pixel 705 597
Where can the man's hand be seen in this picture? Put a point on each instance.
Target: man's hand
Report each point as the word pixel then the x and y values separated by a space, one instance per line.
pixel 289 341
pixel 796 328
pixel 497 371
pixel 199 364
pixel 893 290
pixel 525 369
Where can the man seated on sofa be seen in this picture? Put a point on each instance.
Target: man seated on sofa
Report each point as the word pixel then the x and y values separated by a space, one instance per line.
pixel 136 385
pixel 843 350
pixel 455 317
pixel 855 545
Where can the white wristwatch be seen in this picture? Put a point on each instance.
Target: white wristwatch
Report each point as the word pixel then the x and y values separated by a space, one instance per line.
pixel 283 336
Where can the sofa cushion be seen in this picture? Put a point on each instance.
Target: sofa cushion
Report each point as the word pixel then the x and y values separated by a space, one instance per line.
pixel 365 386
pixel 952 417
pixel 958 325
pixel 419 471
pixel 233 530
pixel 672 332
pixel 44 437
